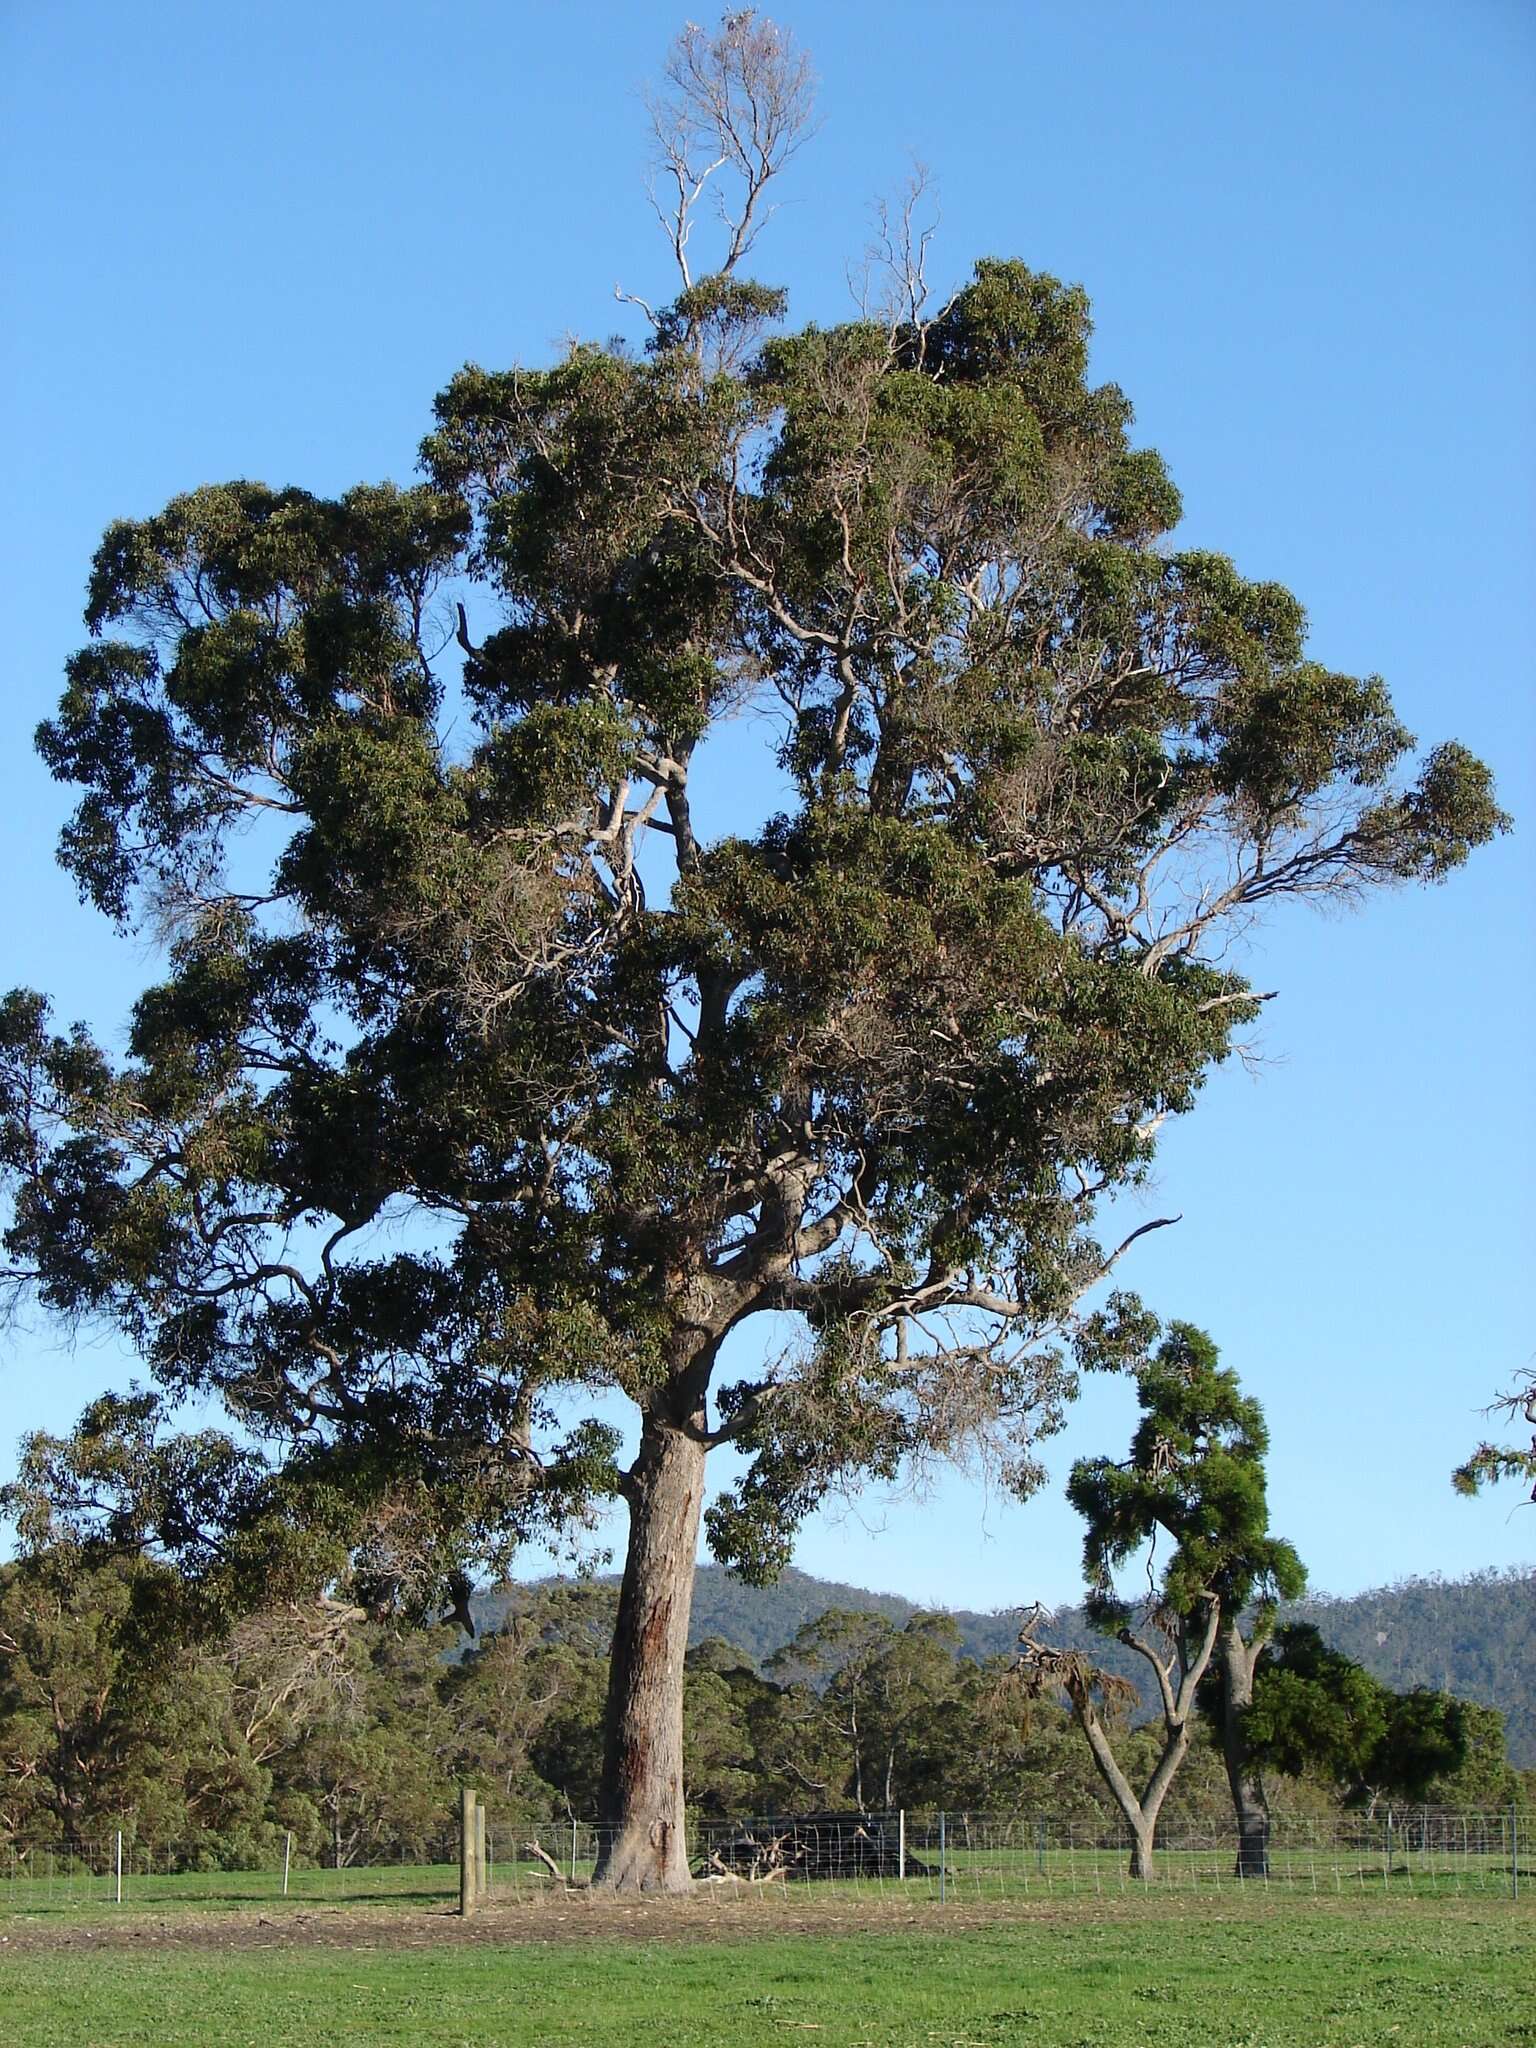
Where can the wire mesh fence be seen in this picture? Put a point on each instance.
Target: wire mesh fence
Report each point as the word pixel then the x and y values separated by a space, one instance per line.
pixel 941 1857
pixel 961 1855
pixel 993 1857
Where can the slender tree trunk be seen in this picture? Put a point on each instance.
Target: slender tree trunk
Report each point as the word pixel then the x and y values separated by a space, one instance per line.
pixel 1249 1803
pixel 1140 1812
pixel 644 1846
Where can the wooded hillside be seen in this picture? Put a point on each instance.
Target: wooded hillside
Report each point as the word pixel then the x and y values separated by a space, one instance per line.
pixel 1475 1637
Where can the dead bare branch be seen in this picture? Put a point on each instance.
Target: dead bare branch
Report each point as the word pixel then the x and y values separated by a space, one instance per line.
pixel 737 101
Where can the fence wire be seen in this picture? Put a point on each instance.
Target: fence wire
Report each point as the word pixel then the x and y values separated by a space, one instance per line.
pixel 940 1857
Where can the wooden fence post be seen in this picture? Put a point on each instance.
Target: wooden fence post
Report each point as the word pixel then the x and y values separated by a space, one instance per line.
pixel 469 1888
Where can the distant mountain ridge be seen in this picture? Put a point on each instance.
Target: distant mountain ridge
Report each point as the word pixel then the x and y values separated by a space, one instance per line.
pixel 1475 1636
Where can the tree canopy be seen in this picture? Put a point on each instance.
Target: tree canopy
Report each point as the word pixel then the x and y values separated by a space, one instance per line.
pixel 1195 1475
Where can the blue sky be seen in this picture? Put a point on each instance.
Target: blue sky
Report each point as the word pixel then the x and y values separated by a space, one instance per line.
pixel 255 240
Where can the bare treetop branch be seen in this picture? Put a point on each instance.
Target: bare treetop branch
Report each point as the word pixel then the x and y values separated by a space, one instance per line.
pixel 739 100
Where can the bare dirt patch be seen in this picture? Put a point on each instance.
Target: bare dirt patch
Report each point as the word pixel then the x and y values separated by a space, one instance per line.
pixel 554 1920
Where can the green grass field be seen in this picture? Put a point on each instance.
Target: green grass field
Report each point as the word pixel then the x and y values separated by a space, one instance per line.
pixel 1266 1970
pixel 83 1896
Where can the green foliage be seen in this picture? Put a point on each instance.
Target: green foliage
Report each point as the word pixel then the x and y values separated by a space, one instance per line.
pixel 1195 1475
pixel 1475 1637
pixel 1491 1463
pixel 526 1702
pixel 1314 1706
pixel 102 1727
pixel 352 1733
pixel 1482 1779
pixel 882 1700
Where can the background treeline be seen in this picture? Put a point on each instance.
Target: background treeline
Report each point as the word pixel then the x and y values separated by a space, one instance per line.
pixel 352 1734
pixel 1475 1637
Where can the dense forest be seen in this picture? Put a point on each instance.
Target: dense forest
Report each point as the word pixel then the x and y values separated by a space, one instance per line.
pixel 1475 1637
pixel 352 1733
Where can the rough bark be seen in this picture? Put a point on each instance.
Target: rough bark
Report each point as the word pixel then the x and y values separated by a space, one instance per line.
pixel 1249 1801
pixel 644 1844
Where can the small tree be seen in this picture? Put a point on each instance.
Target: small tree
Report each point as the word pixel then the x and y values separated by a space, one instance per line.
pixel 107 1720
pixel 838 1654
pixel 1314 1707
pixel 1196 1476
pixel 482 1084
pixel 532 1690
pixel 718 1745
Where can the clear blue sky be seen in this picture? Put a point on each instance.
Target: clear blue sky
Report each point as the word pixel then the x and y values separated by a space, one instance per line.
pixel 253 240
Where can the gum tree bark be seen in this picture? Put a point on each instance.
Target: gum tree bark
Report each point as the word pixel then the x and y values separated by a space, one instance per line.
pixel 644 1838
pixel 1236 1660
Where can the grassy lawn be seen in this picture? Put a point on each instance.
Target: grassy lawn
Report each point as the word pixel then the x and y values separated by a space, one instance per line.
pixel 85 1897
pixel 1231 1973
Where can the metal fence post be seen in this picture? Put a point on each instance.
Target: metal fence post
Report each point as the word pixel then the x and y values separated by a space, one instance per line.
pixel 943 1860
pixel 1514 1851
pixel 901 1843
pixel 119 1866
pixel 287 1858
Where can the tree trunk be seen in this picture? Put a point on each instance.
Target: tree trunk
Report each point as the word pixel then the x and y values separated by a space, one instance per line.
pixel 643 1844
pixel 1252 1812
pixel 1143 1821
pixel 1249 1803
pixel 1140 1814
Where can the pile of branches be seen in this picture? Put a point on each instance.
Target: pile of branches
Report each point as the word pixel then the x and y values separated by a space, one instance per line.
pixel 845 1845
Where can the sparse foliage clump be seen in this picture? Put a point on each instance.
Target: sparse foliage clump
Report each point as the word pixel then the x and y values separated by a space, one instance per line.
pixel 1491 1463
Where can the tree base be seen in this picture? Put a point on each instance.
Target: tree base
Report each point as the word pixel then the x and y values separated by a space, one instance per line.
pixel 643 1861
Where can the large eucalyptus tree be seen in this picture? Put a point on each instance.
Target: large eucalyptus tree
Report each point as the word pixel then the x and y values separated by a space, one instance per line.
pixel 483 1086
